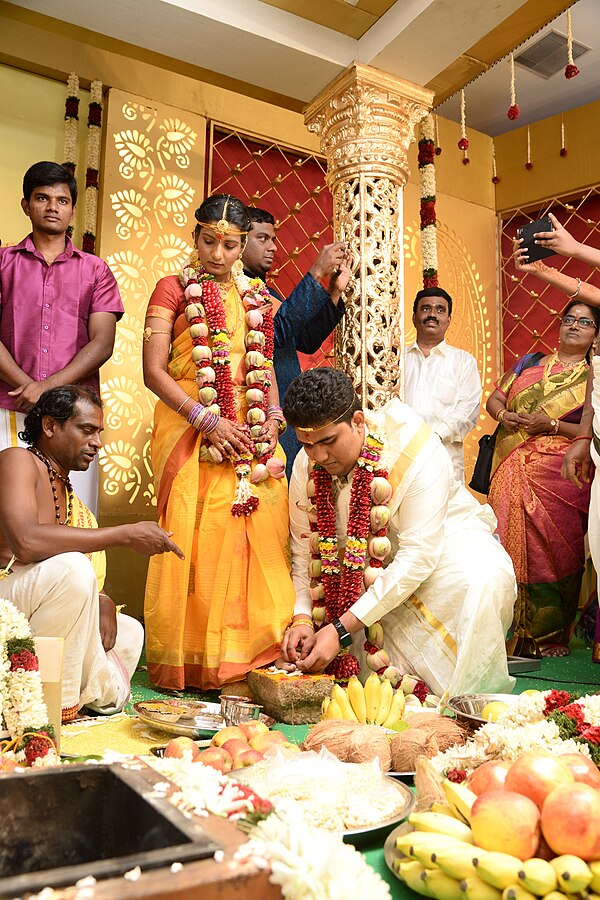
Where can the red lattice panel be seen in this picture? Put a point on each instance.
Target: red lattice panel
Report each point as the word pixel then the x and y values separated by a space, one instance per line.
pixel 291 186
pixel 530 308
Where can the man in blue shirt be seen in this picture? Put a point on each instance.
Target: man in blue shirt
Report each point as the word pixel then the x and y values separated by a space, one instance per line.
pixel 310 313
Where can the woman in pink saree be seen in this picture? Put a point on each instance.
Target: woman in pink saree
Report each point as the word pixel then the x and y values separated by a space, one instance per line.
pixel 542 518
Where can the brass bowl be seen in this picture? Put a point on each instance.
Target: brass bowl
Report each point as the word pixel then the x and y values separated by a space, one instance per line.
pixel 467 707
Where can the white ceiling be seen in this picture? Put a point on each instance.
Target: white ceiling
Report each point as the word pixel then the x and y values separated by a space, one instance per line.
pixel 488 99
pixel 276 50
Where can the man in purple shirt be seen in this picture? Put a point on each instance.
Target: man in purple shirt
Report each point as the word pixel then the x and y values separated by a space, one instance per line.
pixel 59 309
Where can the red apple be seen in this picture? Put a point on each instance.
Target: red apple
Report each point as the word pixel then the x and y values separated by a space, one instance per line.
pixel 234 747
pixel 489 776
pixel 248 758
pixel 217 758
pixel 582 768
pixel 225 734
pixel 571 821
pixel 251 729
pixel 262 741
pixel 506 822
pixel 536 774
pixel 182 747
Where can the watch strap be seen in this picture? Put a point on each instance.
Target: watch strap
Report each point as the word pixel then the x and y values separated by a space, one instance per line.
pixel 344 636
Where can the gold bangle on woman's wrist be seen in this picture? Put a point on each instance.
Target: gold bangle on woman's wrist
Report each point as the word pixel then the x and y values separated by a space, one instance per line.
pixel 500 415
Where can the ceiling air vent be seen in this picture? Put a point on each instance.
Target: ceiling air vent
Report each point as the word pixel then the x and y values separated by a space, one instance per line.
pixel 549 55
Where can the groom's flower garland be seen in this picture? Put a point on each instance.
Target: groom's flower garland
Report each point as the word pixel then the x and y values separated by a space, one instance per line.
pixel 215 386
pixel 21 698
pixel 334 588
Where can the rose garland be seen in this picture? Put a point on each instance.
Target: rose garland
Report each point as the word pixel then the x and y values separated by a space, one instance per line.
pixel 571 70
pixel 23 707
pixel 71 123
pixel 334 588
pixel 208 320
pixel 92 165
pixel 570 717
pixel 426 159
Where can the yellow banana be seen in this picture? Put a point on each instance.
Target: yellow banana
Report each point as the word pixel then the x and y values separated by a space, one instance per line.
pixel 455 861
pixel 595 882
pixel 424 842
pixel 412 873
pixel 445 810
pixel 438 823
pixel 372 696
pixel 573 873
pixel 356 695
pixel 517 892
pixel 555 895
pixel 498 869
pixel 475 889
pixel 460 798
pixel 385 701
pixel 324 705
pixel 339 695
pixel 537 876
pixel 396 709
pixel 442 886
pixel 334 711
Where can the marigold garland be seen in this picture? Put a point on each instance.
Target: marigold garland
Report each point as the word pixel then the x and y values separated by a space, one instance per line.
pixel 334 587
pixel 426 159
pixel 208 321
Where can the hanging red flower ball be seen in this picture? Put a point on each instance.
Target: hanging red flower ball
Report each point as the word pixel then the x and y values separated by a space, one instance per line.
pixel 495 179
pixel 529 165
pixel 466 161
pixel 438 151
pixel 563 151
pixel 571 71
pixel 513 112
pixel 463 144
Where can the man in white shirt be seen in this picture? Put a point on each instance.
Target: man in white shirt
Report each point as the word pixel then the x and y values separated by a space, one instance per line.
pixel 446 591
pixel 442 383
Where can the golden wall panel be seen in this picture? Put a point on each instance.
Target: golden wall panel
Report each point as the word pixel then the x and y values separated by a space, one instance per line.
pixel 152 181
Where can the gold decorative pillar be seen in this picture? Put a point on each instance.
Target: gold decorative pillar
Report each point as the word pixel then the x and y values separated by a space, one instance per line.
pixel 366 121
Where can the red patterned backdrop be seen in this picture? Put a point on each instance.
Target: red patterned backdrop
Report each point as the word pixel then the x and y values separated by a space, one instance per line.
pixel 530 308
pixel 291 186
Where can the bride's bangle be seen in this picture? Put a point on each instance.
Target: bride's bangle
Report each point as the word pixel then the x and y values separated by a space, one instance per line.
pixel 500 415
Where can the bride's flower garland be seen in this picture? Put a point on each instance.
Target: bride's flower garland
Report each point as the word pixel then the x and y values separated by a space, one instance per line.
pixel 208 320
pixel 21 698
pixel 334 588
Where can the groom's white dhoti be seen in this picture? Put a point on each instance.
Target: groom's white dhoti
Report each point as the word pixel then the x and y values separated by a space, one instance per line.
pixel 446 596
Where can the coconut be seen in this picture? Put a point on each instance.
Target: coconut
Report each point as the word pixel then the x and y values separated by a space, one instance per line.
pixel 333 734
pixel 446 731
pixel 368 742
pixel 408 745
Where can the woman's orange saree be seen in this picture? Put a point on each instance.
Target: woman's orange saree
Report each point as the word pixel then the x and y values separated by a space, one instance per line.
pixel 222 611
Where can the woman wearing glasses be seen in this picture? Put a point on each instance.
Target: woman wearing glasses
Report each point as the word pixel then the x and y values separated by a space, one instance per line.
pixel 542 519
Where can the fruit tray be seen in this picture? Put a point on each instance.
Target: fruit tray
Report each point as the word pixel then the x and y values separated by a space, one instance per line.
pixel 190 718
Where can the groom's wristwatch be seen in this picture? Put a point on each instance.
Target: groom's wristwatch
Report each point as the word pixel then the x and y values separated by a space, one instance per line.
pixel 344 636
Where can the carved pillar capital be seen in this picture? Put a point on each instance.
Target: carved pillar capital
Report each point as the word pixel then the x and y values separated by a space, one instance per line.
pixel 366 121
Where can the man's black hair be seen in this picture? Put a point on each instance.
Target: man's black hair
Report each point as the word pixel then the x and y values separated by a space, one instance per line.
pixel 46 174
pixel 260 215
pixel 318 397
pixel 58 403
pixel 433 292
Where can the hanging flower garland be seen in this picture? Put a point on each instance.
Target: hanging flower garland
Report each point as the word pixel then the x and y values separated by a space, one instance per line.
pixel 571 69
pixel 334 589
pixel 71 123
pixel 438 149
pixel 21 696
pixel 563 149
pixel 207 320
pixel 91 167
pixel 513 110
pixel 528 164
pixel 495 176
pixel 463 143
pixel 426 158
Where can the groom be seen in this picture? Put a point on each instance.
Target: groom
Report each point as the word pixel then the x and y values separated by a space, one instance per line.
pixel 446 593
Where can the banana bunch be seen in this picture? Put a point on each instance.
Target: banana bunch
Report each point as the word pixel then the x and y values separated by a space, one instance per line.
pixel 377 703
pixel 441 861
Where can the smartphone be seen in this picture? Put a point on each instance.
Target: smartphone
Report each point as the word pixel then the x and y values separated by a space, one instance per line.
pixel 534 251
